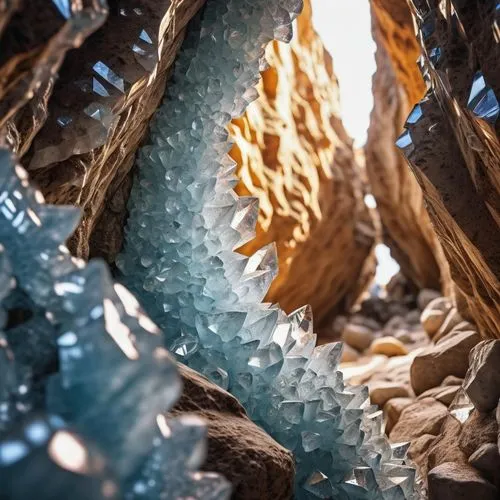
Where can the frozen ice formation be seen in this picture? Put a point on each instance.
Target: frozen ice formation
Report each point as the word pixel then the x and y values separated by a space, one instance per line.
pixel 110 377
pixel 185 223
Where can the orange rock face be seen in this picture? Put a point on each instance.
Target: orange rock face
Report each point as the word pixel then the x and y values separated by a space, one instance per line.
pixel 294 154
pixel 397 86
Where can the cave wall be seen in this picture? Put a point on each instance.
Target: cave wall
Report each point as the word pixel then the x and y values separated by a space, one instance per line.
pixel 79 134
pixel 295 156
pixel 397 86
pixel 451 144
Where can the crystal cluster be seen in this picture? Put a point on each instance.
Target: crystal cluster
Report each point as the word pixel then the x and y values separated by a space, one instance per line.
pixel 84 353
pixel 185 223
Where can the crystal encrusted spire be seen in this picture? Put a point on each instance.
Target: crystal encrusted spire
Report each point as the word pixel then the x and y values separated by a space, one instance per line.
pixel 186 220
pixel 112 380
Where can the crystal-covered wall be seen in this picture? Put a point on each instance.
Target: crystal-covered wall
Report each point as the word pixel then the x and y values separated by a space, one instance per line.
pixel 83 353
pixel 451 144
pixel 185 221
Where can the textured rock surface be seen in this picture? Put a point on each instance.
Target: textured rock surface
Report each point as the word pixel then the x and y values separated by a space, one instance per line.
pixel 455 481
pixel 461 184
pixel 397 85
pixel 89 166
pixel 482 382
pixel 296 157
pixel 449 357
pixel 256 466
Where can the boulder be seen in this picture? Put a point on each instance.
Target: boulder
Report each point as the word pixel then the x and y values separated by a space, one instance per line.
pixel 452 380
pixel 442 394
pixel 448 357
pixel 381 392
pixel 357 336
pixel 452 320
pixel 477 430
pixel 456 481
pixel 418 452
pixel 388 346
pixel 422 417
pixel 392 411
pixel 434 314
pixel 482 382
pixel 349 354
pixel 487 460
pixel 426 296
pixel 445 447
pixel 256 466
pixel 359 319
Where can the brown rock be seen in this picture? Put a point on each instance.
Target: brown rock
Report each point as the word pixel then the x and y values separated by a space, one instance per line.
pixel 349 354
pixel 448 357
pixel 452 380
pixel 418 452
pixel 392 411
pixel 357 336
pixel 487 460
pixel 482 382
pixel 256 466
pixel 455 481
pixel 445 447
pixel 381 392
pixel 434 314
pixel 426 296
pixel 422 417
pixel 442 394
pixel 477 430
pixel 452 320
pixel 397 86
pixel 294 154
pixel 388 346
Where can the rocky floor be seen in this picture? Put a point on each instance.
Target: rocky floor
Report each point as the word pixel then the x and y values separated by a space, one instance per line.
pixel 437 382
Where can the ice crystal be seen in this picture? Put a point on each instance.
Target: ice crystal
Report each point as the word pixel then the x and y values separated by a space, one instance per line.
pixel 185 223
pixel 114 380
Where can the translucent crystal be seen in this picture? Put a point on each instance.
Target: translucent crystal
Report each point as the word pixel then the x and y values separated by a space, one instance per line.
pixel 185 221
pixel 91 356
pixel 482 100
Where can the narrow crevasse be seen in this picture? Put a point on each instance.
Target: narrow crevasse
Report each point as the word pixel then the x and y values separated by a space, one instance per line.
pixel 185 220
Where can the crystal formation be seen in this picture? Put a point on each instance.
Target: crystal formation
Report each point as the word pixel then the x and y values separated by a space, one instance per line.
pixel 111 379
pixel 185 223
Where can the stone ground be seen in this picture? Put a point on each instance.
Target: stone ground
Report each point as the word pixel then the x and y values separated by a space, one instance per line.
pixel 437 381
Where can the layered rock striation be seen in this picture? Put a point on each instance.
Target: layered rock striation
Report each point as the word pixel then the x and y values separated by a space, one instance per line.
pixel 295 156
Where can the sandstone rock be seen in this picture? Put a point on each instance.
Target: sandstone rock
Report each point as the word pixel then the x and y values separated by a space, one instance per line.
pixel 413 317
pixel 452 380
pixel 442 394
pixel 361 370
pixel 445 447
pixel 487 460
pixel 482 382
pixel 359 319
pixel 477 430
pixel 256 466
pixel 434 314
pixel 452 320
pixel 397 86
pixel 392 411
pixel 404 336
pixel 388 346
pixel 448 357
pixel 426 296
pixel 418 452
pixel 381 392
pixel 422 417
pixel 358 336
pixel 294 154
pixel 455 481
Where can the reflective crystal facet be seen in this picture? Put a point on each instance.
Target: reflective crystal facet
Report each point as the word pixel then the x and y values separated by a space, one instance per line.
pixel 185 220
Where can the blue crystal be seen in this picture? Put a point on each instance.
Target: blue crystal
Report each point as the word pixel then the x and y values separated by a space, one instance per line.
pixel 482 100
pixel 414 116
pixel 185 223
pixel 114 382
pixel 435 55
pixel 405 143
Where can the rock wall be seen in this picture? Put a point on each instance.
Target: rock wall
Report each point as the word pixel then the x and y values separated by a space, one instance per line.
pixel 397 85
pixel 451 143
pixel 294 154
pixel 80 144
